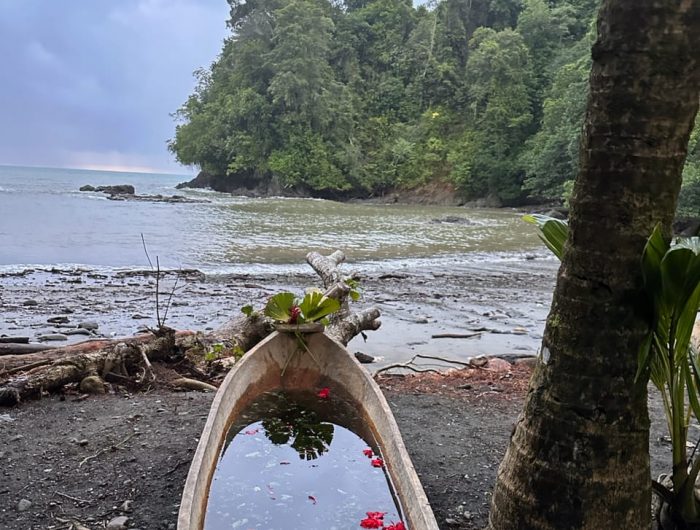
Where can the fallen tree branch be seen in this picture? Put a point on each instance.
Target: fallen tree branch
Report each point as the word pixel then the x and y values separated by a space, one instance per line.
pixel 192 384
pixel 14 340
pixel 148 374
pixel 326 266
pixel 444 360
pixel 411 365
pixel 13 348
pixel 345 329
pixel 119 359
pixel 90 360
pixel 25 368
pixel 456 335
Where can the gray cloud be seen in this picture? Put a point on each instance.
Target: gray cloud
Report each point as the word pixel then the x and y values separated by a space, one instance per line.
pixel 90 83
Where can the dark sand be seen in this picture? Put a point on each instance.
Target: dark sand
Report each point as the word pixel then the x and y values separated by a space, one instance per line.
pixel 79 461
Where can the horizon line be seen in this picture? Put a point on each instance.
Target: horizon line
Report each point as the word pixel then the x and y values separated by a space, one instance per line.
pixel 102 168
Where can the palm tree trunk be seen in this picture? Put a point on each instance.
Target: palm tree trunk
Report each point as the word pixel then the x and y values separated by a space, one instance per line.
pixel 578 458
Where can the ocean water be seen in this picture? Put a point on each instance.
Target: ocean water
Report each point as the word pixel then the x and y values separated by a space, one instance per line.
pixel 45 221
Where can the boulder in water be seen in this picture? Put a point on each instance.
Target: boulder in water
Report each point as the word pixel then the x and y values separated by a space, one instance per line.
pixel 118 189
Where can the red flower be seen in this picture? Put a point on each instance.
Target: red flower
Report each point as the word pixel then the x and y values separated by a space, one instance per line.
pixel 377 462
pixel 371 523
pixel 396 526
pixel 376 515
pixel 294 313
pixel 324 393
pixel 368 453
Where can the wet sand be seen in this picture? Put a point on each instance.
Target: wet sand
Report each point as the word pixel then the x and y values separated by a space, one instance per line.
pixel 507 300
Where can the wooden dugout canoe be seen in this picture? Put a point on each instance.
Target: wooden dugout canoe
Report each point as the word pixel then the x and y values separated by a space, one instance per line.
pixel 259 371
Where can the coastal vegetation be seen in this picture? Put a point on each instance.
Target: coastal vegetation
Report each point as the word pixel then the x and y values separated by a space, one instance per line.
pixel 668 356
pixel 579 454
pixel 360 98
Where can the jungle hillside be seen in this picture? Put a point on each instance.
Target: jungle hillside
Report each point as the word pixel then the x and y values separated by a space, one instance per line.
pixel 362 98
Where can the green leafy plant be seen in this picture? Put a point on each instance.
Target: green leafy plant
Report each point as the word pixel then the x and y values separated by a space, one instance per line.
pixel 285 308
pixel 552 232
pixel 671 271
pixel 355 291
pixel 216 351
pixel 288 309
pixel 248 310
pixel 671 276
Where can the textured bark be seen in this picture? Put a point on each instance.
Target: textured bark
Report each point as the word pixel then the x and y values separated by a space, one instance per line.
pixel 120 357
pixel 578 458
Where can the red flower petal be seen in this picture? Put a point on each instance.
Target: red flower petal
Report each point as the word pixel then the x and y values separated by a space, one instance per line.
pixel 251 432
pixel 294 313
pixel 377 462
pixel 368 453
pixel 376 515
pixel 396 526
pixel 324 393
pixel 371 523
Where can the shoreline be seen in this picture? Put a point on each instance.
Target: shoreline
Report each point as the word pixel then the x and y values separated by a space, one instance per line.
pixel 507 300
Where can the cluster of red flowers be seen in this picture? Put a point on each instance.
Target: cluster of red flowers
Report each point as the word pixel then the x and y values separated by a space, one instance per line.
pixel 324 393
pixel 376 520
pixel 376 462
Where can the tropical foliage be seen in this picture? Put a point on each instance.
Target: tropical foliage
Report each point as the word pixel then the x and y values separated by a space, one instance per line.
pixel 671 272
pixel 672 282
pixel 353 98
pixel 286 308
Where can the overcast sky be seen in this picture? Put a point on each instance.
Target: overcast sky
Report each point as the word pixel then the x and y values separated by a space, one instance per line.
pixel 92 83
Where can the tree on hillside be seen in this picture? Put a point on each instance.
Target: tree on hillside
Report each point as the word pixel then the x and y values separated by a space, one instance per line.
pixel 550 158
pixel 578 458
pixel 309 114
pixel 500 109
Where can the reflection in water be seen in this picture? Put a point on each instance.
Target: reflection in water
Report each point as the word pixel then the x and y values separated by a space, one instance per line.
pixel 310 436
pixel 292 461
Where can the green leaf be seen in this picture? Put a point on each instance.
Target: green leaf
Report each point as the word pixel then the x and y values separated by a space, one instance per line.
pixel 654 251
pixel 247 310
pixel 279 307
pixel 315 305
pixel 693 383
pixel 643 359
pixel 553 232
pixel 673 269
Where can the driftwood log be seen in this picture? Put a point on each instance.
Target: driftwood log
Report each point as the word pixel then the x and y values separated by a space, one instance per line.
pixel 29 375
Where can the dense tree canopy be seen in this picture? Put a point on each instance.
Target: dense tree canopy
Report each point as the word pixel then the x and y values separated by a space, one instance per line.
pixel 341 98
